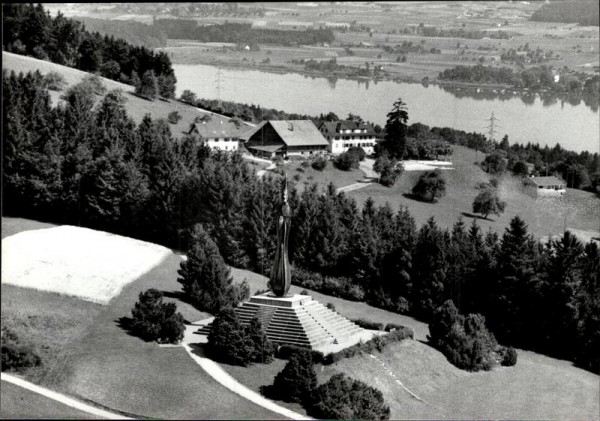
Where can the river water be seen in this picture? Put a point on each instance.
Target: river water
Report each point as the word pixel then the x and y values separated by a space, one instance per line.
pixel 575 127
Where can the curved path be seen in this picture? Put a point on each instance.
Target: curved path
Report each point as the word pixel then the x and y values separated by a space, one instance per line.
pixel 64 399
pixel 216 372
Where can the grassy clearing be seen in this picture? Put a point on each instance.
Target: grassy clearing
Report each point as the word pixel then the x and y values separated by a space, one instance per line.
pixel 329 175
pixel 537 387
pixel 543 215
pixel 90 356
pixel 136 107
pixel 122 372
pixel 19 403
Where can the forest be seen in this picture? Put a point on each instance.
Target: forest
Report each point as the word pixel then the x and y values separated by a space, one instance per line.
pixel 91 165
pixel 240 32
pixel 30 30
pixel 135 33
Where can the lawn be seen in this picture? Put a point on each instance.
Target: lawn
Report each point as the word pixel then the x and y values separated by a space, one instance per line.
pixel 90 356
pixel 537 387
pixel 307 176
pixel 11 226
pixel 136 107
pixel 543 215
pixel 19 403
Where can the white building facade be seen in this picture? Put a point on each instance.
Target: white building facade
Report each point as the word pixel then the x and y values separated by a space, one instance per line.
pixel 343 135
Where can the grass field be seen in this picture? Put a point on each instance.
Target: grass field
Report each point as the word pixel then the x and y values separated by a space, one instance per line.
pixel 88 355
pixel 136 107
pixel 329 175
pixel 19 403
pixel 544 216
pixel 538 387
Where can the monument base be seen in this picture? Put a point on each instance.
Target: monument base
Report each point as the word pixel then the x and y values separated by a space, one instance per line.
pixel 299 320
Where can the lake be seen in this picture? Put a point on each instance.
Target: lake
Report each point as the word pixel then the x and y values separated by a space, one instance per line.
pixel 575 127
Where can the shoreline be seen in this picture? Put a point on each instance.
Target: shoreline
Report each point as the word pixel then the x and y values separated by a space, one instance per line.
pixel 488 87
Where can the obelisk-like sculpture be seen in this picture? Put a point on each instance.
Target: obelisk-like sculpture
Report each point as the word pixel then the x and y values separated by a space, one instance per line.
pixel 281 274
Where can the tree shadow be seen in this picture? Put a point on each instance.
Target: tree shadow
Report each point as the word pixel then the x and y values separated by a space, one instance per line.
pixel 417 198
pixel 126 323
pixel 471 215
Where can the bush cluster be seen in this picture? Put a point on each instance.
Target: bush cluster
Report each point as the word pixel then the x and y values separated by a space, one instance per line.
pixel 231 342
pixel 154 319
pixel 346 161
pixel 17 356
pixel 367 324
pixel 336 287
pixel 319 163
pixel 465 341
pixel 340 397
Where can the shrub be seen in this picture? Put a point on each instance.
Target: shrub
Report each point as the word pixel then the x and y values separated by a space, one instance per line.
pixel 94 84
pixel 55 81
pixel 509 356
pixel 296 177
pixel 153 319
pixel 389 170
pixel 297 380
pixel 358 152
pixel 300 169
pixel 330 306
pixel 232 343
pixel 520 168
pixel 391 327
pixel 319 163
pixel 15 355
pixel 188 97
pixel 304 292
pixel 305 164
pixel 367 324
pixel 465 341
pixel 345 398
pixel 174 117
pixel 285 351
pixel 495 163
pixel 346 161
pixel 336 287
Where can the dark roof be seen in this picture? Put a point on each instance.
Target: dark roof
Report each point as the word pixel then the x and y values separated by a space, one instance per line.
pixel 295 132
pixel 333 128
pixel 546 181
pixel 217 126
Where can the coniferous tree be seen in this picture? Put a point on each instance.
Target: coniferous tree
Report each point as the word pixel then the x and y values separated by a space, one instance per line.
pixel 227 341
pixel 205 278
pixel 395 131
pixel 430 267
pixel 298 379
pixel 148 87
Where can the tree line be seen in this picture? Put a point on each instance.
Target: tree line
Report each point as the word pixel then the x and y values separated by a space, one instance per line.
pixel 584 12
pixel 91 165
pixel 30 30
pixel 240 32
pixel 533 78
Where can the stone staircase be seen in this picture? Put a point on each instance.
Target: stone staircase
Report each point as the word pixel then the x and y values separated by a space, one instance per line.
pixel 309 324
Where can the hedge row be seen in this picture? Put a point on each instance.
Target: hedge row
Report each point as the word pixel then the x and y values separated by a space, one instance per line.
pixel 377 343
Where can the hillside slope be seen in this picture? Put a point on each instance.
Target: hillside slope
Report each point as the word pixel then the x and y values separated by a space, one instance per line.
pixel 538 387
pixel 136 107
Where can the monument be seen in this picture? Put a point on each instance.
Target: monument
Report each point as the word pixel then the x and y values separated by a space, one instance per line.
pixel 295 319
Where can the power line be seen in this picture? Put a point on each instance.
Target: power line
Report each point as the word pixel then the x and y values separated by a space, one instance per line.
pixel 218 83
pixel 492 127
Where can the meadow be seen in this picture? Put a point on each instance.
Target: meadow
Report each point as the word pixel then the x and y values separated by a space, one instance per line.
pixel 544 216
pixel 537 387
pixel 88 353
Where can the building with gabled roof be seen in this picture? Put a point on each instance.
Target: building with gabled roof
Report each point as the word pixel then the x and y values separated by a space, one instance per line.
pixel 286 137
pixel 218 132
pixel 345 134
pixel 545 186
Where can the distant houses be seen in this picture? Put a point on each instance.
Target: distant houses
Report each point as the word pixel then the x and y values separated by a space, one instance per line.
pixel 218 132
pixel 343 135
pixel 545 186
pixel 286 137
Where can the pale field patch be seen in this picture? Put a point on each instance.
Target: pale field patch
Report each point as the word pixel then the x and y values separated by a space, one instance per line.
pixel 80 262
pixel 413 165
